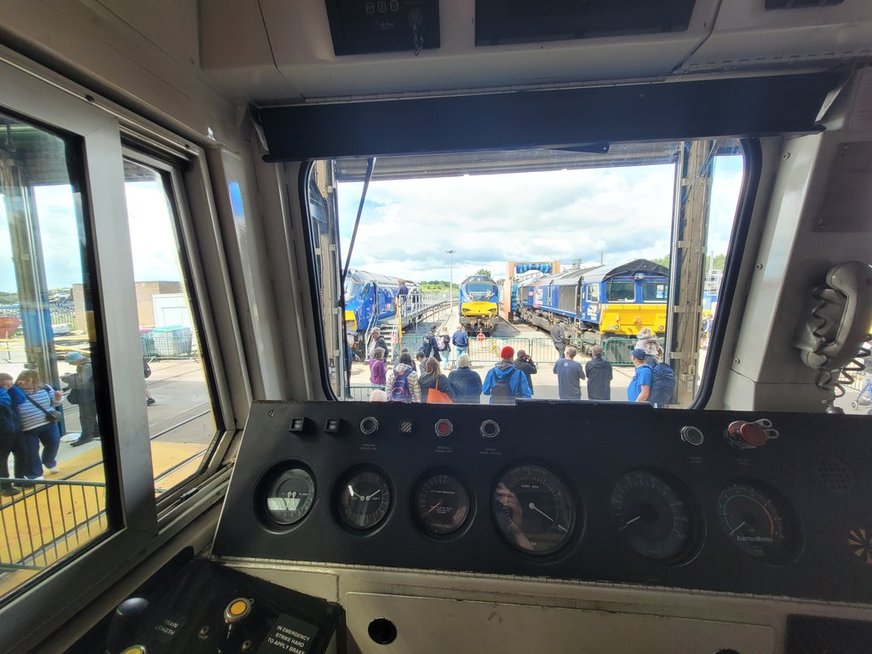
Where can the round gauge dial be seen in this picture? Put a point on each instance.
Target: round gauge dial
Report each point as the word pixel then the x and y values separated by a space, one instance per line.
pixel 652 516
pixel 441 504
pixel 290 496
pixel 754 522
pixel 533 509
pixel 364 499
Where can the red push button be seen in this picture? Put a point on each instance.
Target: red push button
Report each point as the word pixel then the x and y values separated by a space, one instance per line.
pixel 444 428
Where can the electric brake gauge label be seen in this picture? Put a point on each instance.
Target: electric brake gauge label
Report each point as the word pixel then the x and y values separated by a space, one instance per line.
pixel 364 498
pixel 290 496
pixel 533 509
pixel 653 516
pixel 755 521
pixel 441 504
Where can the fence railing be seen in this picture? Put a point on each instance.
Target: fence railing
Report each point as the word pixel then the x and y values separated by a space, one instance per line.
pixel 48 520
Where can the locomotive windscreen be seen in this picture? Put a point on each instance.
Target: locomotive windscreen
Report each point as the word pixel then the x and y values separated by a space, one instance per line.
pixel 455 237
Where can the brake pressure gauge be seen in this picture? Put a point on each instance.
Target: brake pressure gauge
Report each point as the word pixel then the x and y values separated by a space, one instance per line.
pixel 290 496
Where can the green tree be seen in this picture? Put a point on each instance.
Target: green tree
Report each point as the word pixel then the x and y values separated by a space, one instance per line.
pixel 663 261
pixel 485 272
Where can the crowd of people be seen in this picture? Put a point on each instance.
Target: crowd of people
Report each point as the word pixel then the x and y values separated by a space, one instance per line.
pixel 424 378
pixel 30 420
pixel 30 423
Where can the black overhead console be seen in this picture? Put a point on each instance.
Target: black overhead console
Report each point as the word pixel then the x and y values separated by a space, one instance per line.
pixel 369 26
pixel 523 21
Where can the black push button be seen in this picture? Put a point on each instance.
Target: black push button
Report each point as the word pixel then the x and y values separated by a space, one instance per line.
pixel 332 425
pixel 298 425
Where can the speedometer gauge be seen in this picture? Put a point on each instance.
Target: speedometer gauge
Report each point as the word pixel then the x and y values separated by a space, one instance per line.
pixel 652 515
pixel 755 521
pixel 533 509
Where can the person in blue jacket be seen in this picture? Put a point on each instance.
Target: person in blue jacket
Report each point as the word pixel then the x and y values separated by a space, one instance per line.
pixel 11 440
pixel 504 382
pixel 465 382
pixel 640 384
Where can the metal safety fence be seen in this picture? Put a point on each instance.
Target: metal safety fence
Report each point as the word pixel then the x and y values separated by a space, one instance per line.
pixel 48 519
pixel 615 350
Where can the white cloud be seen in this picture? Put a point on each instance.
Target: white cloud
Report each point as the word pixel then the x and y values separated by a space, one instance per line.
pixel 571 215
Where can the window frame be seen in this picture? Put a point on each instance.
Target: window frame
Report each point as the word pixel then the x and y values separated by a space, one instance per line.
pixel 144 525
pixel 610 282
pixel 645 284
pixel 170 170
pixel 751 152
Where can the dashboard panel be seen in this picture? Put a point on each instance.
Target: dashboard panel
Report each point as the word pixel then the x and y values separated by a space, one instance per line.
pixel 757 503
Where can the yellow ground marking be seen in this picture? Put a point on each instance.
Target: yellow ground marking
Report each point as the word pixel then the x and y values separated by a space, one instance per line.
pixel 33 523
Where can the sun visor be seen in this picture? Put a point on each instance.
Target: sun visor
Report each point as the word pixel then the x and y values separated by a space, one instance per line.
pixel 743 106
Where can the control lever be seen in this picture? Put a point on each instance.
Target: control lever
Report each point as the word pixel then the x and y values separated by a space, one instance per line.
pixel 123 620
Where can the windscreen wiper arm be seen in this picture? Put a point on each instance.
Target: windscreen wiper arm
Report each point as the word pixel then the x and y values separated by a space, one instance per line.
pixel 370 166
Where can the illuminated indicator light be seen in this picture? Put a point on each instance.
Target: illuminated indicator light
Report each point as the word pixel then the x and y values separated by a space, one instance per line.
pixel 238 607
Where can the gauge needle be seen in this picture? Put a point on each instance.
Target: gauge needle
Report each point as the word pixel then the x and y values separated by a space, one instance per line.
pixel 629 522
pixel 352 493
pixel 741 524
pixel 533 506
pixel 433 508
pixel 369 497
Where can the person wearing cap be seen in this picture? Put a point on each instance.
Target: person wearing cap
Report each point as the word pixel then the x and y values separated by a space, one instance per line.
pixel 640 384
pixel 81 384
pixel 569 375
pixel 504 382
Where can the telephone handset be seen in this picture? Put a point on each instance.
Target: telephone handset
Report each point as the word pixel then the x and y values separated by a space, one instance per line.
pixel 841 313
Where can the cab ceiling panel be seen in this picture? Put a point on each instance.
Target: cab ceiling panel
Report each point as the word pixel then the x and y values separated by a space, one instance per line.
pixel 751 33
pixel 295 38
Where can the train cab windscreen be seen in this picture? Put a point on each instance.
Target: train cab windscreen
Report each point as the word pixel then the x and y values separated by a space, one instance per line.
pixel 454 265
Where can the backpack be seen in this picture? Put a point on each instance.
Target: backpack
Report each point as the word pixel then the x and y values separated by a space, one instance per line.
pixel 662 384
pixel 501 393
pixel 400 391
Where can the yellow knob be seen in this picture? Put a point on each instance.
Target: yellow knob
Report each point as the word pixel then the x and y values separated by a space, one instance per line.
pixel 237 610
pixel 134 649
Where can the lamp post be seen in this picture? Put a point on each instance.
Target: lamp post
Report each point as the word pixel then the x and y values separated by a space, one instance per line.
pixel 450 254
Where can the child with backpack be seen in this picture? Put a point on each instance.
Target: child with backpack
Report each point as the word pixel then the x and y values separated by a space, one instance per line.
pixel 402 381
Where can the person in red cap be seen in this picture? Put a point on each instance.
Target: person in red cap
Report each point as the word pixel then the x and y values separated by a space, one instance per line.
pixel 504 382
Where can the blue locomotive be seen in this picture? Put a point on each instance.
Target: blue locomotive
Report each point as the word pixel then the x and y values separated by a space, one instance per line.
pixel 479 304
pixel 607 300
pixel 370 298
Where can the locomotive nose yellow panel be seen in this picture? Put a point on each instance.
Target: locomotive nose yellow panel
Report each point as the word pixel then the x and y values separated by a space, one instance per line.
pixel 629 319
pixel 478 309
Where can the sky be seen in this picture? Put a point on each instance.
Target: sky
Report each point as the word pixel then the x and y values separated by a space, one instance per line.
pixel 619 214
pixel 153 240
